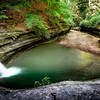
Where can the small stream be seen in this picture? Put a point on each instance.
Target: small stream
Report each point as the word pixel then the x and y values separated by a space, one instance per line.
pixel 54 61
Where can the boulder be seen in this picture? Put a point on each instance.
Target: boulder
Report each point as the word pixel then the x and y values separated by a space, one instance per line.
pixel 67 90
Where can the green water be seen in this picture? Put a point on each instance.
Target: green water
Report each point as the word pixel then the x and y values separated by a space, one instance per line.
pixel 54 61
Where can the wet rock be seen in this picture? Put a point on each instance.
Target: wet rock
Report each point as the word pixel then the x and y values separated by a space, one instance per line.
pixel 3 28
pixel 82 41
pixel 60 91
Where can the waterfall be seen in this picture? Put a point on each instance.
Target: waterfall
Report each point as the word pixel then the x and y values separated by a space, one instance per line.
pixel 8 72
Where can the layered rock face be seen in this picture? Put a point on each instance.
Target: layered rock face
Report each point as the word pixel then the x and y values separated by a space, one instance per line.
pixel 12 42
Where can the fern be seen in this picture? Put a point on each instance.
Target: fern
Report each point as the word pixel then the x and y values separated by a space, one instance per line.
pixel 40 27
pixel 61 10
pixel 45 81
pixel 3 17
pixel 91 21
pixel 82 6
pixel 22 3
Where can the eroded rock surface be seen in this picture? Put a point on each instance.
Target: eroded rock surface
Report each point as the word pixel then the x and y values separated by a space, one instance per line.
pixel 60 91
pixel 82 41
pixel 12 42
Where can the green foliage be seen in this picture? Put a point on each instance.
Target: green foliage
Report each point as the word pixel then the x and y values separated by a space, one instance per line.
pixel 2 12
pixel 4 5
pixel 17 7
pixel 82 5
pixel 14 4
pixel 84 78
pixel 34 21
pixel 14 36
pixel 61 10
pixel 91 21
pixel 22 3
pixel 3 17
pixel 37 83
pixel 44 81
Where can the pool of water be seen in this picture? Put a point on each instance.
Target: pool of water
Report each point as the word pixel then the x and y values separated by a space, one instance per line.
pixel 55 62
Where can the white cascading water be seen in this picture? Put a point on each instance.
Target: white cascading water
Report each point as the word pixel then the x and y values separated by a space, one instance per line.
pixel 8 72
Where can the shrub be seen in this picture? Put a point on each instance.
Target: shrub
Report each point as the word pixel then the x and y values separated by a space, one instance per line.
pixel 82 6
pixel 45 81
pixel 91 21
pixel 58 9
pixel 3 17
pixel 40 27
pixel 61 10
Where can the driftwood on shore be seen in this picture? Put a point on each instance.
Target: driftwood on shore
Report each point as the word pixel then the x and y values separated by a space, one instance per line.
pixel 68 90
